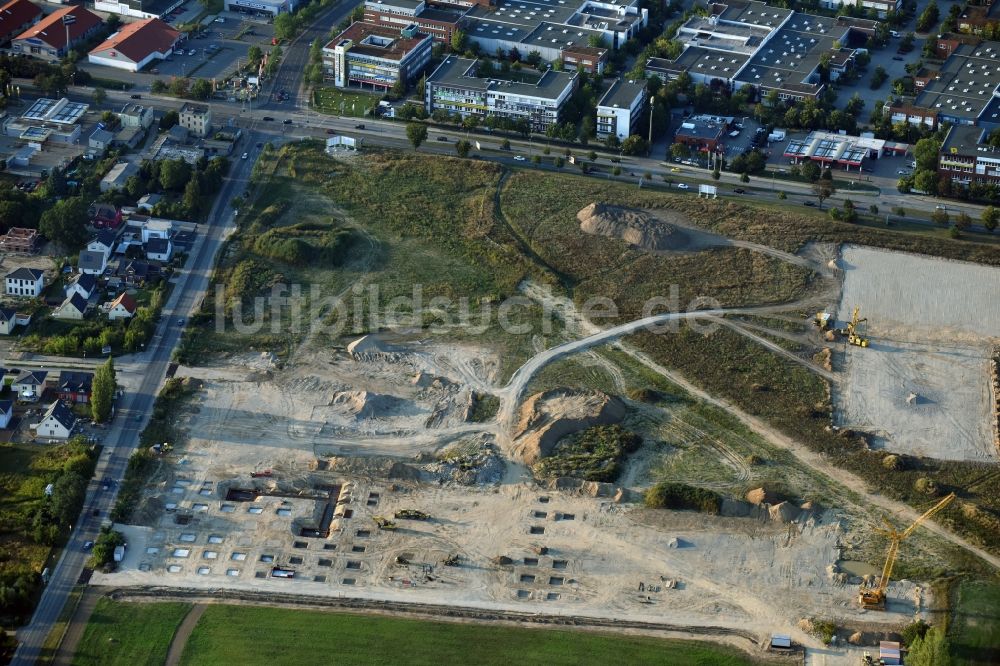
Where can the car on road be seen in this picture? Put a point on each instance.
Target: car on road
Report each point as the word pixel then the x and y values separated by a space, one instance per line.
pixel 245 155
pixel 443 138
pixel 331 131
pixel 359 126
pixel 520 158
pixel 267 119
pixel 739 190
pixel 220 20
pixel 287 121
pixel 902 172
pixel 192 52
pixel 136 96
pixel 87 545
pixel 180 322
pixel 808 203
pixel 683 186
pixel 675 169
pixel 899 58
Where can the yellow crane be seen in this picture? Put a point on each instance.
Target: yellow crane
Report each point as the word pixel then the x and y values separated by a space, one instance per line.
pixel 853 336
pixel 873 598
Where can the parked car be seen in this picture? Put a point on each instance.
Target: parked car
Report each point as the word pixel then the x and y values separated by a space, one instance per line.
pixel 442 138
pixel 267 119
pixel 287 121
pixel 739 190
pixel 245 155
pixel 808 203
pixel 683 186
pixel 87 545
pixel 520 158
pixel 136 96
pixel 899 58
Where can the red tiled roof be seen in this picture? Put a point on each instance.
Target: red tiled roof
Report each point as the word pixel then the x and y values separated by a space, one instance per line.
pixel 14 14
pixel 137 40
pixel 125 301
pixel 52 31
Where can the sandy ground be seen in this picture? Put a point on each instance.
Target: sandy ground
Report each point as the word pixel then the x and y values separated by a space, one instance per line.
pixel 694 569
pixel 922 387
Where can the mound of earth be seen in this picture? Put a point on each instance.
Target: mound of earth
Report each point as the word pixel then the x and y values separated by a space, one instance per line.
pixel 632 226
pixel 549 416
pixel 760 496
pixel 366 405
pixel 367 344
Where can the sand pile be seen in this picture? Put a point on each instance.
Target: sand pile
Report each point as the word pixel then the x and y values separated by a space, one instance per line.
pixel 760 496
pixel 365 404
pixel 783 512
pixel 549 416
pixel 632 226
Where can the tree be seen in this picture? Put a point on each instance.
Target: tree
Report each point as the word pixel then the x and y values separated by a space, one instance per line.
pixel 192 197
pixel 99 96
pixel 102 392
pixel 823 189
pixel 680 151
pixel 169 119
pixel 963 221
pixel 422 87
pixel 174 174
pixel 254 54
pixel 990 218
pixel 316 51
pixel 285 25
pixel 716 175
pixel 929 17
pixel 634 145
pixel 940 216
pixel 65 223
pixel 810 171
pixel 458 41
pixel 158 86
pixel 416 133
pixel 462 148
pixel 926 181
pixel 931 650
pixel 878 77
pixel 202 89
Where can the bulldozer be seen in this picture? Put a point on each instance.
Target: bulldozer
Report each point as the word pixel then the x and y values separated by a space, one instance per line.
pixel 411 514
pixel 384 523
pixel 853 332
pixel 873 597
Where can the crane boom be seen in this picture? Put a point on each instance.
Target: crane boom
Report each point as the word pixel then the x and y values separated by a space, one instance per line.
pixel 873 598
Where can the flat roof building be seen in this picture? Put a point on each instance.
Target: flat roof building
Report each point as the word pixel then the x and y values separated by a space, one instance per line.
pixel 963 91
pixel 620 109
pixel 367 54
pixel 439 22
pixel 967 159
pixel 457 87
pixel 266 8
pixel 196 119
pixel 843 150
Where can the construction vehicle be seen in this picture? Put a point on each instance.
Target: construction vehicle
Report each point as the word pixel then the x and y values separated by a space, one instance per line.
pixel 821 320
pixel 384 523
pixel 261 474
pixel 411 514
pixel 852 331
pixel 873 598
pixel 451 560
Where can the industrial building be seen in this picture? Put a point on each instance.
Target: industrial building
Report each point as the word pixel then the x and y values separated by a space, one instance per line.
pixel 141 9
pixel 136 45
pixel 51 39
pixel 17 16
pixel 831 149
pixel 265 8
pixel 457 87
pixel 378 56
pixel 966 158
pixel 880 7
pixel 620 109
pixel 966 90
pixel 745 42
pixel 47 120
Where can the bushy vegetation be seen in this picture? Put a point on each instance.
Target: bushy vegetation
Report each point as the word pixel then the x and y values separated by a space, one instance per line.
pixel 305 243
pixel 484 407
pixel 594 454
pixel 32 521
pixel 682 497
pixel 104 547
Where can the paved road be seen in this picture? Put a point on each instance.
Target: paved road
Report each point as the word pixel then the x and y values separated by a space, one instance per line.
pixel 133 414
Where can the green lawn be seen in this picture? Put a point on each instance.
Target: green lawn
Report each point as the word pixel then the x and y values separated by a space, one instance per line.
pixel 975 628
pixel 130 633
pixel 273 636
pixel 344 103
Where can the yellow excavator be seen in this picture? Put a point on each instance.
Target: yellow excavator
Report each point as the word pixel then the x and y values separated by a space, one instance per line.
pixel 852 331
pixel 873 598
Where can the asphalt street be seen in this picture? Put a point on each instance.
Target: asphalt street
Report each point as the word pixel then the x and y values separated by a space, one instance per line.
pixel 133 412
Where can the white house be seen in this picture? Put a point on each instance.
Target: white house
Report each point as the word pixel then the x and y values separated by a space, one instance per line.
pixel 10 318
pixel 122 307
pixel 83 284
pixel 29 386
pixel 103 242
pixel 58 422
pixel 91 263
pixel 156 228
pixel 159 249
pixel 620 108
pixel 25 282
pixel 74 307
pixel 6 413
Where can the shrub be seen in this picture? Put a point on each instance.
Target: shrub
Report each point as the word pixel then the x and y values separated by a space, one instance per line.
pixel 594 454
pixel 680 496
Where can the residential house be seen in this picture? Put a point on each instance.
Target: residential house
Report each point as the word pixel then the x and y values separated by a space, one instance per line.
pixel 154 228
pixel 58 422
pixel 133 273
pixel 10 318
pixel 123 307
pixel 119 174
pixel 29 385
pixel 136 115
pixel 75 386
pixel 148 201
pixel 47 38
pixel 100 140
pixel 103 242
pixel 83 284
pixel 92 263
pixel 104 216
pixel 25 282
pixel 74 307
pixel 196 119
pixel 6 413
pixel 159 249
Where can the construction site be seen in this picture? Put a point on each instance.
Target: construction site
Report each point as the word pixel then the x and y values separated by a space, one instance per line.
pixel 373 471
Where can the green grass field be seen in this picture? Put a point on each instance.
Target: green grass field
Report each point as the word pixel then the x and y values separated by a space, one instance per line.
pixel 975 626
pixel 130 633
pixel 344 103
pixel 273 636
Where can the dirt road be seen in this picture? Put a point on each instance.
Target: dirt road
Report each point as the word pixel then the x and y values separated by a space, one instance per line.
pixel 184 631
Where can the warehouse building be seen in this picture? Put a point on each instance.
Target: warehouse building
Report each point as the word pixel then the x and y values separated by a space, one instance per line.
pixel 136 45
pixel 47 39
